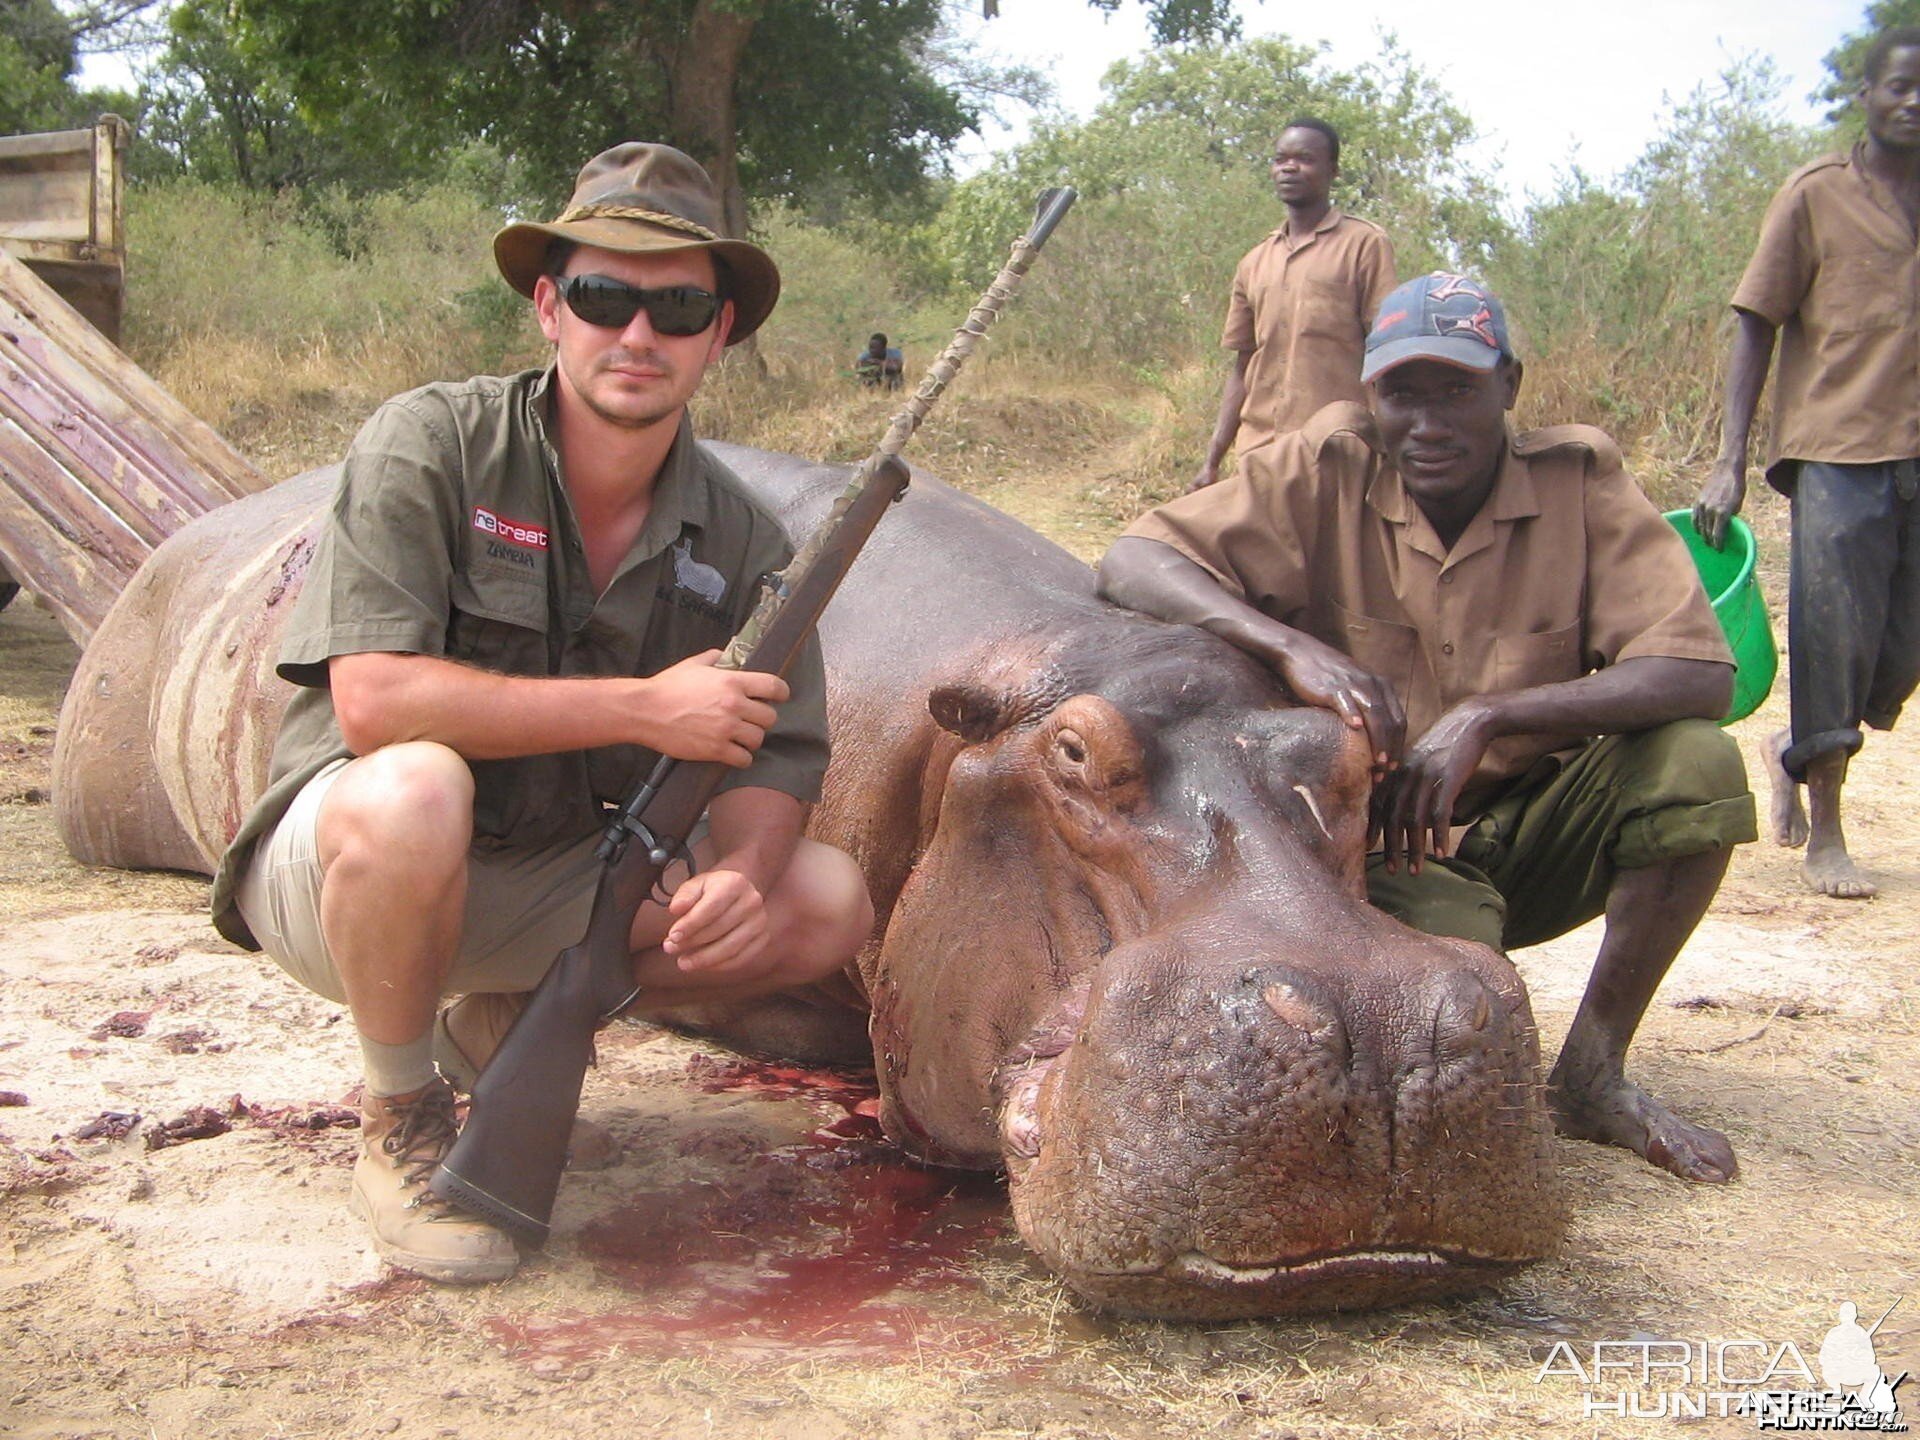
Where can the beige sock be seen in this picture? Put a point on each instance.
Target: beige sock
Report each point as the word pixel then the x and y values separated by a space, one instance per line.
pixel 398 1069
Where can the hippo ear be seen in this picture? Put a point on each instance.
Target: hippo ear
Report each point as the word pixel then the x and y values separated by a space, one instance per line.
pixel 973 712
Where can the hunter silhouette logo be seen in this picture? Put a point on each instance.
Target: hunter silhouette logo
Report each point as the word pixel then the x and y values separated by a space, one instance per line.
pixel 1767 1379
pixel 1848 1365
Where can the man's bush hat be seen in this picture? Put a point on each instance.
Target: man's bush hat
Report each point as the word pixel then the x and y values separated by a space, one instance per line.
pixel 1451 318
pixel 640 198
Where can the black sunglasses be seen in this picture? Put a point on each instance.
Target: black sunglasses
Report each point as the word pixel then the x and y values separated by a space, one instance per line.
pixel 611 304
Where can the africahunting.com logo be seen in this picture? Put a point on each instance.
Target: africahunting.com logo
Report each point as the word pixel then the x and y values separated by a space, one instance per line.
pixel 1844 1388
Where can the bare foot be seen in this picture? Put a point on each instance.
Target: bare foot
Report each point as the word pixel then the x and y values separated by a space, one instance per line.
pixel 1787 816
pixel 1618 1112
pixel 1831 871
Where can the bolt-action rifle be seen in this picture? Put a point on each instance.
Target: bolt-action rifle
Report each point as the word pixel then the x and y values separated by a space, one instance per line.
pixel 506 1165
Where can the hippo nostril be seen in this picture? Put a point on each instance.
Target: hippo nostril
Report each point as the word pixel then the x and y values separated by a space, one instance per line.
pixel 1289 1005
pixel 1463 1016
pixel 1303 1012
pixel 1020 1124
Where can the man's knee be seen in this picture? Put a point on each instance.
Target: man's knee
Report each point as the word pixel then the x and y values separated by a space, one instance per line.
pixel 1684 761
pixel 1446 897
pixel 824 913
pixel 1687 792
pixel 412 800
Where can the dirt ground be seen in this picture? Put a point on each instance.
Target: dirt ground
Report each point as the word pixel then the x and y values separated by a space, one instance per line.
pixel 176 1259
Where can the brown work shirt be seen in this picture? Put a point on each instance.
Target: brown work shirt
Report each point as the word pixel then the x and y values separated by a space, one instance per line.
pixel 1566 568
pixel 1837 269
pixel 452 535
pixel 1303 306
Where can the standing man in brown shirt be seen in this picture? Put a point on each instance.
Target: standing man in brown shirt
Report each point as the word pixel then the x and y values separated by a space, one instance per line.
pixel 1302 301
pixel 515 607
pixel 1836 276
pixel 1478 604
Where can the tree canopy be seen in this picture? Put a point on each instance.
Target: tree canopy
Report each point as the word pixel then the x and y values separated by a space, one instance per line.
pixel 36 57
pixel 1191 130
pixel 1172 167
pixel 773 96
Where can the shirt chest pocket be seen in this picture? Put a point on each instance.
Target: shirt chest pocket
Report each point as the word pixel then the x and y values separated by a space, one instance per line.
pixel 1860 290
pixel 1384 647
pixel 499 622
pixel 1542 658
pixel 1327 309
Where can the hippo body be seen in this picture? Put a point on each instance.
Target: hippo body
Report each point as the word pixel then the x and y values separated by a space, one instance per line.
pixel 1122 948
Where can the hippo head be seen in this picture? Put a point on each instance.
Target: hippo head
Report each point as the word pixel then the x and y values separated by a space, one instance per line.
pixel 1221 1083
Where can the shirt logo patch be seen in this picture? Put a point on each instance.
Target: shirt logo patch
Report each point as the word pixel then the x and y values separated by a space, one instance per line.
pixel 534 537
pixel 699 578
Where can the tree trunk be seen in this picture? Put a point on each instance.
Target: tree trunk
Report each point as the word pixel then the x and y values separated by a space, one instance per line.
pixel 704 115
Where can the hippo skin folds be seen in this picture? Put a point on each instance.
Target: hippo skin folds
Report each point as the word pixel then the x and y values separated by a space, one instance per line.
pixel 1122 951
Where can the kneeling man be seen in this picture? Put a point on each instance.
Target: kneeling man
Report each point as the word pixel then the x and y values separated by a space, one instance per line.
pixel 514 608
pixel 1482 605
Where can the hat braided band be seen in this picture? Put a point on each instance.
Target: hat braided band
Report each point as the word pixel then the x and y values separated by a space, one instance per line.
pixel 632 212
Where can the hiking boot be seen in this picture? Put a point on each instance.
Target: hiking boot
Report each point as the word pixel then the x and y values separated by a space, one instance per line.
pixel 466 1034
pixel 402 1141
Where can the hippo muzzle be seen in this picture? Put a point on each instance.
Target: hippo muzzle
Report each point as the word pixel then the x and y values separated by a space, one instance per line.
pixel 1223 1084
pixel 1237 1127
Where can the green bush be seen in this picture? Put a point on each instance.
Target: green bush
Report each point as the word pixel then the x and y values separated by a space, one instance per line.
pixel 1619 292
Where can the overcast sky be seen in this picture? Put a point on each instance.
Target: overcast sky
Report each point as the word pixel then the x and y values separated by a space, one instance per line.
pixel 1544 80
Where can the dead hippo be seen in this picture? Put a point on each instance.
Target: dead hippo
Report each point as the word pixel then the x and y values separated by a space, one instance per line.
pixel 1122 951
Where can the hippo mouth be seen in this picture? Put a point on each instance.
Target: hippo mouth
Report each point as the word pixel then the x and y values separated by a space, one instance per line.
pixel 1190 1283
pixel 1272 1219
pixel 1202 1269
pixel 1195 1286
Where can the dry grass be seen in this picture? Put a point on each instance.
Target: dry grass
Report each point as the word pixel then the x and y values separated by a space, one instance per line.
pixel 290 408
pixel 283 322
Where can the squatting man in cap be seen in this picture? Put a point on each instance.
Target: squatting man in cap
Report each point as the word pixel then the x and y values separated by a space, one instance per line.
pixel 515 606
pixel 1480 604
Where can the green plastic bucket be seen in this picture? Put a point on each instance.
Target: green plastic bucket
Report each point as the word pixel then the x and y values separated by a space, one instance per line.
pixel 1740 607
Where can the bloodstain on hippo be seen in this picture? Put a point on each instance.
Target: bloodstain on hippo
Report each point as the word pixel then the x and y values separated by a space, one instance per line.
pixel 1123 950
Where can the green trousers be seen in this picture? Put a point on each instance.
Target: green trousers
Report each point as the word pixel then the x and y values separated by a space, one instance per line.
pixel 1541 858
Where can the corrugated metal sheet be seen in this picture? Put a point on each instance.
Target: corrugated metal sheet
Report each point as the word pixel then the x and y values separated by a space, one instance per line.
pixel 98 464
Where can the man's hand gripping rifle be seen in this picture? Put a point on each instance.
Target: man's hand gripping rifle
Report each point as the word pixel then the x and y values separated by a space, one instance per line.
pixel 506 1165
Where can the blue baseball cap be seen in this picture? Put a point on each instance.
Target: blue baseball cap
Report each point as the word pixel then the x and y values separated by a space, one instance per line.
pixel 1450 318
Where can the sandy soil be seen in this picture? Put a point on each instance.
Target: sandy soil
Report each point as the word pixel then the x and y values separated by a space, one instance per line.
pixel 176 1259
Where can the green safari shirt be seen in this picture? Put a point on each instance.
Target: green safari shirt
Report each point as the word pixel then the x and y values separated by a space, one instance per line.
pixel 451 534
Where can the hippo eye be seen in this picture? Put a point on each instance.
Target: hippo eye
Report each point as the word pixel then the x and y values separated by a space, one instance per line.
pixel 1071 746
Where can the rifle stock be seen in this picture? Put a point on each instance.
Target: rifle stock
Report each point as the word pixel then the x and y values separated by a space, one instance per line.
pixel 506 1164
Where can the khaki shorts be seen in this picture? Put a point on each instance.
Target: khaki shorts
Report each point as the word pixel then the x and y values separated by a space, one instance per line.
pixel 523 906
